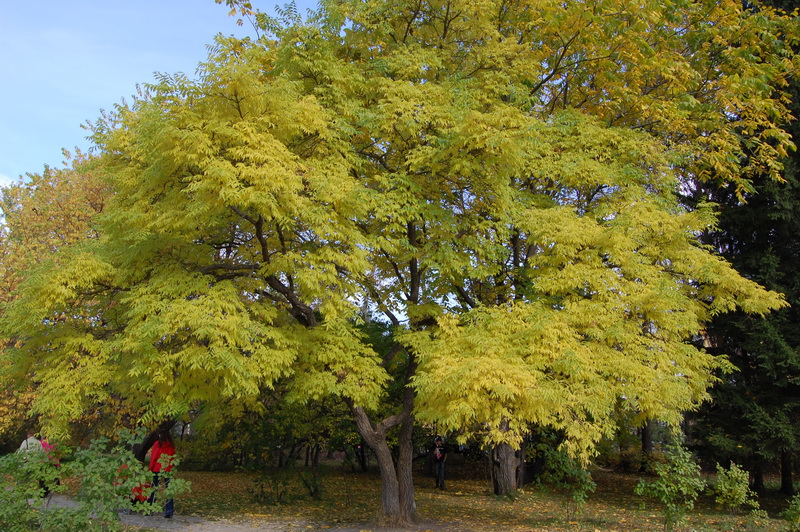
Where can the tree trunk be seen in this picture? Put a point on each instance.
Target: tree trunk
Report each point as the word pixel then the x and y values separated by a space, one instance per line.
pixel 758 473
pixel 787 486
pixel 390 485
pixel 504 462
pixel 397 491
pixel 521 455
pixel 405 459
pixel 315 455
pixel 647 446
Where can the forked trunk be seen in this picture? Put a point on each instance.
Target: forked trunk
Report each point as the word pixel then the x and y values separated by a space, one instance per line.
pixel 397 490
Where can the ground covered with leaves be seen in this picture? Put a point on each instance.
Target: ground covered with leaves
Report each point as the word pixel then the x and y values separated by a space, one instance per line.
pixel 350 501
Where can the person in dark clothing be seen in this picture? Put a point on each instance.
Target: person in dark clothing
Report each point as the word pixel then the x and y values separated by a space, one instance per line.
pixel 439 459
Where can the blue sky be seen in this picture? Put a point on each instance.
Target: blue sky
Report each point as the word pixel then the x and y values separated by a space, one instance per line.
pixel 61 61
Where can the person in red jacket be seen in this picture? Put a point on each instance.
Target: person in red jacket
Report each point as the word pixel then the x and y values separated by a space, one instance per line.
pixel 161 460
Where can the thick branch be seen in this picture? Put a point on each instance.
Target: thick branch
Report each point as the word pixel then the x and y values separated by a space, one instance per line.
pixel 375 435
pixel 242 214
pixel 140 450
pixel 300 310
pixel 413 267
pixel 465 297
pixel 388 357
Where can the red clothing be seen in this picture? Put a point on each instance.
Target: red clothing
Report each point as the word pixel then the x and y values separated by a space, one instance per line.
pixel 138 494
pixel 50 451
pixel 160 448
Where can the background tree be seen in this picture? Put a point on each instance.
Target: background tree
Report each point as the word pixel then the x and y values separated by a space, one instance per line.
pixel 754 412
pixel 40 215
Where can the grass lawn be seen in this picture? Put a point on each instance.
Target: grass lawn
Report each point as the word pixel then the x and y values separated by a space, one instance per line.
pixel 351 500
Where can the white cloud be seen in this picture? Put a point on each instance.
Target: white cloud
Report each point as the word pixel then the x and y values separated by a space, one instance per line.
pixel 6 181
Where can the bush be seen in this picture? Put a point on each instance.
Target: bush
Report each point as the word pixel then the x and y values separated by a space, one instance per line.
pixel 312 479
pixel 271 487
pixel 677 486
pixel 563 471
pixel 107 475
pixel 792 513
pixel 732 489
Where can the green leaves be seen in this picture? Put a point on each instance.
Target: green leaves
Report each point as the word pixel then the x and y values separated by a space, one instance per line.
pixel 106 474
pixel 677 487
pixel 732 488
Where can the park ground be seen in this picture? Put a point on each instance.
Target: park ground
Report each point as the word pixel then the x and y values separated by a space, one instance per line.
pixel 349 501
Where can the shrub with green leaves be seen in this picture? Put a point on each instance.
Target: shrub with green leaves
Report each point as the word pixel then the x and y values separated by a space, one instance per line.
pixel 271 487
pixel 21 496
pixel 792 514
pixel 106 473
pixel 732 489
pixel 677 485
pixel 563 471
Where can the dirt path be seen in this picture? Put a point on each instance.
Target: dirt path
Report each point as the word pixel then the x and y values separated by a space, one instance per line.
pixel 191 523
pixel 188 523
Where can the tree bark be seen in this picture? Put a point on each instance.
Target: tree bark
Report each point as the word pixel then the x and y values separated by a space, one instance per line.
pixel 647 446
pixel 405 478
pixel 405 460
pixel 521 464
pixel 787 486
pixel 397 504
pixel 758 473
pixel 390 485
pixel 504 462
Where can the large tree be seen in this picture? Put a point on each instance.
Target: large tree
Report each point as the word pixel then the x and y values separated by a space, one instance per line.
pixel 496 178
